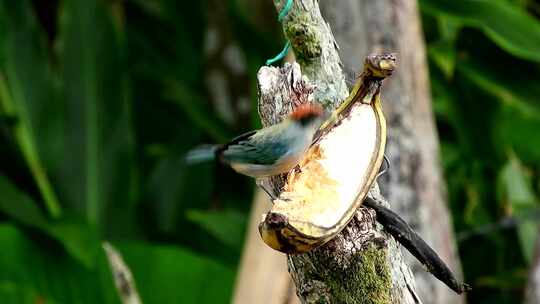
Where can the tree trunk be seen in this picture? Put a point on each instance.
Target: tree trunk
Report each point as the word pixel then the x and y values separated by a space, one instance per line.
pixel 361 264
pixel 532 290
pixel 414 184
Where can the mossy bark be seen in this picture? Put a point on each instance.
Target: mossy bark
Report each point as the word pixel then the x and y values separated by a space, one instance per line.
pixel 371 287
pixel 363 277
pixel 315 50
pixel 414 185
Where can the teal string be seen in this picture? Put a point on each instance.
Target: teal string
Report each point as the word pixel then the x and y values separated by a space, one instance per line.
pixel 285 10
pixel 282 14
pixel 281 55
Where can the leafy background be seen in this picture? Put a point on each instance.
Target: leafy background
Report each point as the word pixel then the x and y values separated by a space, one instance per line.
pixel 99 100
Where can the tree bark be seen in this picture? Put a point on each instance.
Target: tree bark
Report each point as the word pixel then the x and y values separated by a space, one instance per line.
pixel 362 264
pixel 414 183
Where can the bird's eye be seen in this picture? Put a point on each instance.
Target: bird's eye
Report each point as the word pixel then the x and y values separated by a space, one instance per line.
pixel 306 120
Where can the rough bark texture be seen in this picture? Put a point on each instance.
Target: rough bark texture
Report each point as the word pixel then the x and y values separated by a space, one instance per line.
pixel 414 184
pixel 362 264
pixel 532 291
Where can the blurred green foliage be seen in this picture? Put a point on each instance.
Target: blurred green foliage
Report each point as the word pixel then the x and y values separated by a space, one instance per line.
pixel 99 100
pixel 484 71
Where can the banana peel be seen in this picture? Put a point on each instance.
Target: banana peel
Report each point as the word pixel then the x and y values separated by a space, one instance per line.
pixel 320 198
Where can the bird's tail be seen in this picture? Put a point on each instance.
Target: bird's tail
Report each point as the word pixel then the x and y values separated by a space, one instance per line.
pixel 201 154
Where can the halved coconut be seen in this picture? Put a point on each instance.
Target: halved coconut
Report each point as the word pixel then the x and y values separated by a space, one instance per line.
pixel 335 177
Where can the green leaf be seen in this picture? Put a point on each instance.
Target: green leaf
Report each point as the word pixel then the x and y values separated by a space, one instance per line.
pixel 14 293
pixel 466 115
pixel 516 188
pixel 166 274
pixel 27 93
pixel 443 55
pixel 514 93
pixel 228 226
pixel 519 93
pixel 77 238
pixel 506 280
pixel 31 269
pixel 19 206
pixel 443 99
pixel 98 164
pixel 510 27
pixel 517 183
pixel 518 131
pixel 443 51
pixel 153 8
pixel 193 105
pixel 174 186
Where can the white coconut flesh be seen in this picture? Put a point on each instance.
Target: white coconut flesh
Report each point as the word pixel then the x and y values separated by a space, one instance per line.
pixel 322 198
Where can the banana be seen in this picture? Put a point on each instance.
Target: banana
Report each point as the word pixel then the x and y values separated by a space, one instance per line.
pixel 338 170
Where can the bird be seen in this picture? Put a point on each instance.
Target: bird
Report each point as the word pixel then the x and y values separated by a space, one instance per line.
pixel 268 151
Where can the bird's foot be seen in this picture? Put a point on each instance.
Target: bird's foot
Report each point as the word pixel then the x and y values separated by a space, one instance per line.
pixel 260 184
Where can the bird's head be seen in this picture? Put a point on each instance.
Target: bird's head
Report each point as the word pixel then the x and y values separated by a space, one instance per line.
pixel 308 115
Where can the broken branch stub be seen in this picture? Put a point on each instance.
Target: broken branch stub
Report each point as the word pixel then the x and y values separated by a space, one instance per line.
pixel 320 199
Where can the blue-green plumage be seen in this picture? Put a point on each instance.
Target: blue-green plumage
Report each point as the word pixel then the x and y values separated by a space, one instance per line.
pixel 253 150
pixel 269 151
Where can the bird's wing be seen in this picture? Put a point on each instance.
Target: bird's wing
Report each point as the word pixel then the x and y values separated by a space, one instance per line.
pixel 243 137
pixel 249 149
pixel 201 154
